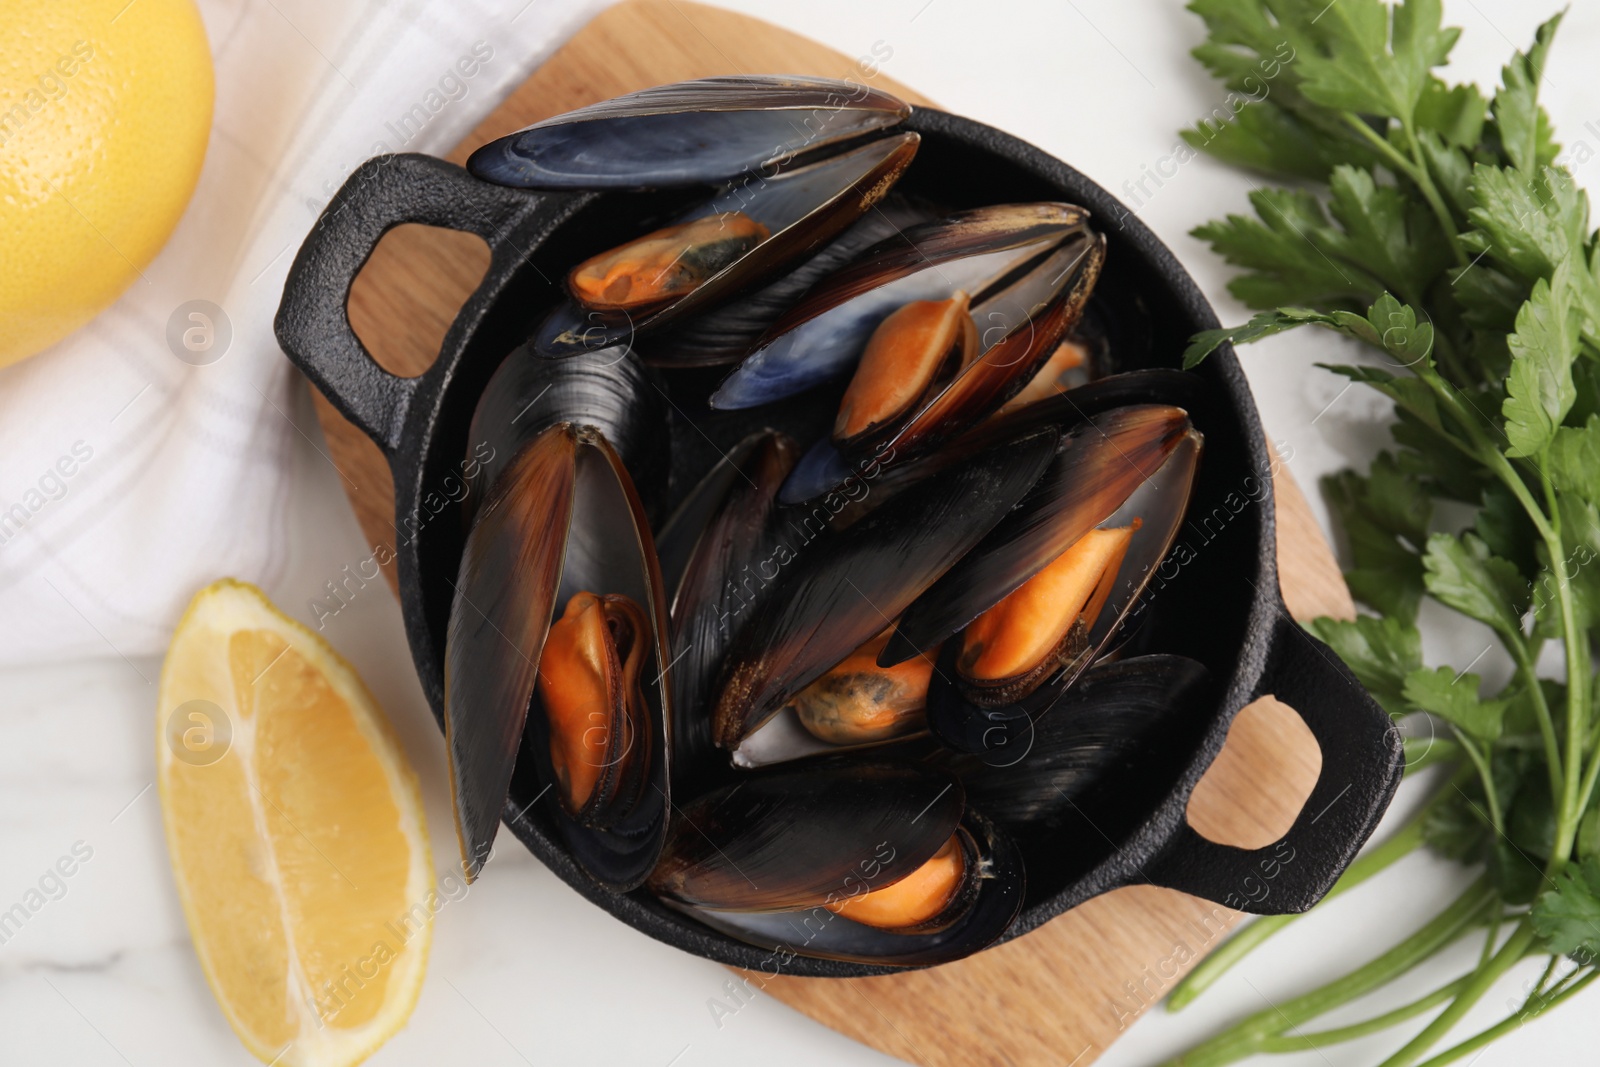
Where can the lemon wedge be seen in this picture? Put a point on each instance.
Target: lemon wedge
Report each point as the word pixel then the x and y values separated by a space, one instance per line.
pixel 295 830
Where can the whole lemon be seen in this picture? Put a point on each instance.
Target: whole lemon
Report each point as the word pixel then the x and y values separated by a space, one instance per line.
pixel 105 110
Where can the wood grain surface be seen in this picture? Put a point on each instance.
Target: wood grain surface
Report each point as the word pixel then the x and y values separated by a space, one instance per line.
pixel 1064 993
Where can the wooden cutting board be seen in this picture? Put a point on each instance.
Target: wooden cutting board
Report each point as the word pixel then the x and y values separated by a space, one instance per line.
pixel 1062 994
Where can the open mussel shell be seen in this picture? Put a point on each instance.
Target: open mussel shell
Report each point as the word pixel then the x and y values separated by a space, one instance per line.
pixel 1159 505
pixel 720 555
pixel 823 336
pixel 1097 731
pixel 823 465
pixel 839 589
pixel 1020 322
pixel 727 334
pixel 1061 411
pixel 505 593
pixel 695 132
pixel 1098 465
pixel 562 518
pixel 991 902
pixel 802 209
pixel 608 389
pixel 802 837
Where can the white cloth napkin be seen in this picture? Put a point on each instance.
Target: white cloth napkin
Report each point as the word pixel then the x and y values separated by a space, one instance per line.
pixel 130 477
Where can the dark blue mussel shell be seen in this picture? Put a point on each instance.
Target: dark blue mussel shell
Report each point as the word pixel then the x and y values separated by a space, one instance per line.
pixel 688 133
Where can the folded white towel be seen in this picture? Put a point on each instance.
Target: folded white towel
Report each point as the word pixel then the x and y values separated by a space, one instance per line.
pixel 148 454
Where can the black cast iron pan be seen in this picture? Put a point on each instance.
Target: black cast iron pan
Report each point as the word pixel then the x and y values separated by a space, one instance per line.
pixel 1221 606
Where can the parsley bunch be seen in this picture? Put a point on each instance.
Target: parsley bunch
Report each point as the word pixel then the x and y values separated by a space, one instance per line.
pixel 1432 224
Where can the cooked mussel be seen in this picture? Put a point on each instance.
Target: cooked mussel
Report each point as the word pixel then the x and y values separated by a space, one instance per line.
pixel 1043 625
pixel 1097 467
pixel 666 264
pixel 562 525
pixel 801 837
pixel 858 702
pixel 879 862
pixel 823 336
pixel 1021 323
pixel 989 907
pixel 741 239
pixel 918 348
pixel 840 589
pixel 596 716
pixel 728 333
pixel 688 133
pixel 1020 652
pixel 922 397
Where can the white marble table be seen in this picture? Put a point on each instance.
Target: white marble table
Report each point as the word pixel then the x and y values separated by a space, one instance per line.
pixel 523 971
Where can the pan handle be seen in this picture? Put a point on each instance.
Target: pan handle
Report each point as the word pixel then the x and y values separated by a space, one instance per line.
pixel 313 325
pixel 1362 763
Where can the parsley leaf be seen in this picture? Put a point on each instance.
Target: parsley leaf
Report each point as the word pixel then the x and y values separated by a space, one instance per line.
pixel 1372 65
pixel 1463 574
pixel 1455 112
pixel 1539 387
pixel 1457 830
pixel 1393 236
pixel 1454 698
pixel 1240 37
pixel 1388 325
pixel 1264 137
pixel 1528 222
pixel 1507 530
pixel 1380 651
pixel 1385 518
pixel 1489 298
pixel 1522 125
pixel 1287 253
pixel 1573 462
pixel 1568 916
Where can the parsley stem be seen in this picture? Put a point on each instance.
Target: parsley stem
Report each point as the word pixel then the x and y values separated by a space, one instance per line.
pixel 1510 953
pixel 1323 1038
pixel 1430 192
pixel 1517 646
pixel 1531 1009
pixel 1245 1038
pixel 1497 817
pixel 1586 790
pixel 1497 914
pixel 1392 155
pixel 1570 979
pixel 1567 809
pixel 1549 971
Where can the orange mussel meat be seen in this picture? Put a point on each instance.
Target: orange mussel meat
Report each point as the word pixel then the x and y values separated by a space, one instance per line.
pixel 589 685
pixel 665 264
